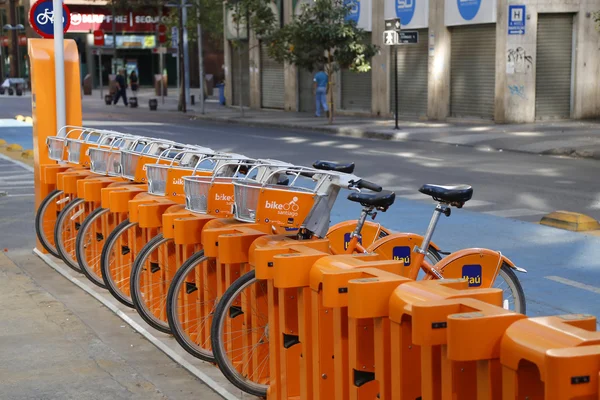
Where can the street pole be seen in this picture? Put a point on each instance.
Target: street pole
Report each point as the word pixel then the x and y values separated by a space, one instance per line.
pixel 200 60
pixel 59 65
pixel 14 59
pixel 114 35
pixel 100 73
pixel 396 81
pixel 186 52
pixel 161 64
pixel 182 94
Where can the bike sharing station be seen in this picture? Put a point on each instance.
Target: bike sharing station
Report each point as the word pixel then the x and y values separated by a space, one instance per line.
pixel 227 262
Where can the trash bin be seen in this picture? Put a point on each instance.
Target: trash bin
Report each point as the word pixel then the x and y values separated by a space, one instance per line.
pixel 87 85
pixel 157 78
pixel 221 88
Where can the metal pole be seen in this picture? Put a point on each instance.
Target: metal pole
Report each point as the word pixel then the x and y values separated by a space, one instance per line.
pixel 200 60
pixel 14 57
pixel 100 73
pixel 186 52
pixel 182 95
pixel 59 65
pixel 114 34
pixel 161 64
pixel 396 82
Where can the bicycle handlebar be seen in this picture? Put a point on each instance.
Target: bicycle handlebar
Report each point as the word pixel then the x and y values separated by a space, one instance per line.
pixel 364 184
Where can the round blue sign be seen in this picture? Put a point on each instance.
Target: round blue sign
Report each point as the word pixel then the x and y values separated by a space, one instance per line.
pixel 405 10
pixel 41 17
pixel 353 10
pixel 468 9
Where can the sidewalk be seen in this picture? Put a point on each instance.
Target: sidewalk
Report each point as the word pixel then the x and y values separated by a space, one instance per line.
pixel 568 138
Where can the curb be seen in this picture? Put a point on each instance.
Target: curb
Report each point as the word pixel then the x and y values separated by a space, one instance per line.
pixel 160 344
pixel 14 147
pixel 570 221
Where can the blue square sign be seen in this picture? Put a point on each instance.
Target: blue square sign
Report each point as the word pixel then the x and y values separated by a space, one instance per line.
pixel 516 19
pixel 472 273
pixel 401 253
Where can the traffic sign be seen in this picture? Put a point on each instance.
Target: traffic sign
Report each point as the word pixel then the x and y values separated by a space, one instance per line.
pixel 99 37
pixel 174 37
pixel 393 24
pixel 162 33
pixel 22 40
pixel 41 18
pixel 390 38
pixel 159 50
pixel 409 37
pixel 516 19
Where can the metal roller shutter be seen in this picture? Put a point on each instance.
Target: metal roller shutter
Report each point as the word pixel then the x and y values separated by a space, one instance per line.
pixel 473 71
pixel 305 89
pixel 553 66
pixel 272 87
pixel 412 77
pixel 245 84
pixel 356 89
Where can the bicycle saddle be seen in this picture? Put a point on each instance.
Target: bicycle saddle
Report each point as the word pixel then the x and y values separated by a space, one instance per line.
pixel 381 200
pixel 333 166
pixel 455 195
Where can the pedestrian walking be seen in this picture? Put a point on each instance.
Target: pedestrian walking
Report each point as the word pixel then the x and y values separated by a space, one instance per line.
pixel 133 82
pixel 321 87
pixel 121 81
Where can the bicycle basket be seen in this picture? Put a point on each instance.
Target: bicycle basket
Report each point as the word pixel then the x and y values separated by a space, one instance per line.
pixel 196 193
pixel 56 147
pixel 129 161
pixel 99 160
pixel 74 150
pixel 221 197
pixel 157 178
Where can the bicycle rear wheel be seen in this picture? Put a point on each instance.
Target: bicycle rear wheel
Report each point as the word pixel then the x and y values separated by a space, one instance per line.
pixel 89 244
pixel 65 231
pixel 240 335
pixel 151 277
pixel 514 296
pixel 45 220
pixel 191 303
pixel 117 259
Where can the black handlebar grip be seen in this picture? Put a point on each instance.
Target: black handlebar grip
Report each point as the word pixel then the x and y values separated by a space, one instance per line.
pixel 362 184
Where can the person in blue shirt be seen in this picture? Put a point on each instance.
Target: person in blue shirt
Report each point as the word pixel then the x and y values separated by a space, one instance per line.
pixel 321 87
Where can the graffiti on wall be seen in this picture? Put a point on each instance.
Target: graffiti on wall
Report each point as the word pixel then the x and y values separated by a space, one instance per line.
pixel 518 61
pixel 517 90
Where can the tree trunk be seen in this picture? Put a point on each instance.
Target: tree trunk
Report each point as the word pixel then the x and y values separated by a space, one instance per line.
pixel 240 82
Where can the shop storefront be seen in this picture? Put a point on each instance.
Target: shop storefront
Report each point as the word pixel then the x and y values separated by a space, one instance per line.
pixel 135 49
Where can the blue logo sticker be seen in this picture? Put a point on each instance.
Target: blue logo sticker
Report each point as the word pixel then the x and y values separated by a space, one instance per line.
pixel 348 238
pixel 354 10
pixel 401 253
pixel 405 10
pixel 472 273
pixel 468 8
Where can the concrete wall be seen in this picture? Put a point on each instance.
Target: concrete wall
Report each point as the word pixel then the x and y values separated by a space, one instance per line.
pixel 254 62
pixel 515 88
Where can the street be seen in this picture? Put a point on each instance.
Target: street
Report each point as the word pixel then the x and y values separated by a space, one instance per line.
pixel 512 191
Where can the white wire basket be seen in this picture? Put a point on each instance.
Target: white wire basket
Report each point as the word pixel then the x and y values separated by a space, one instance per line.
pixel 128 161
pixel 56 147
pixel 246 200
pixel 73 150
pixel 196 190
pixel 157 178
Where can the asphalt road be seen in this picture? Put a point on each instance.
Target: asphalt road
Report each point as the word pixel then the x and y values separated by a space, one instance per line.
pixel 512 190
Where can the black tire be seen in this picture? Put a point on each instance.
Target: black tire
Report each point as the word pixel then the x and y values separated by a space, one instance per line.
pixel 80 245
pixel 135 285
pixel 39 220
pixel 434 255
pixel 111 240
pixel 172 304
pixel 514 285
pixel 60 246
pixel 219 319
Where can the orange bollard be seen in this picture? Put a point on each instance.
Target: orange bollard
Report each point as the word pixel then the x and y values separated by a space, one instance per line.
pixel 416 370
pixel 551 358
pixel 469 344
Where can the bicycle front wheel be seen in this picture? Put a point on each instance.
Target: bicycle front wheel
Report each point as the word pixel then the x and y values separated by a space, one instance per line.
pixel 513 294
pixel 89 244
pixel 191 304
pixel 117 258
pixel 65 231
pixel 240 335
pixel 45 220
pixel 150 280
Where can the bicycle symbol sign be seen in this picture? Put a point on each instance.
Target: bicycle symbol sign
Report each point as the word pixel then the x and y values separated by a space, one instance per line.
pixel 41 18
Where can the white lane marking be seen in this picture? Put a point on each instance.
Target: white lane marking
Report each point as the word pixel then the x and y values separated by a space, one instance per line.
pixel 21 195
pixel 324 143
pixel 153 339
pixel 22 164
pixel 399 189
pixel 515 212
pixel 14 177
pixel 350 146
pixel 121 123
pixel 405 155
pixel 291 139
pixel 25 186
pixel 574 284
pixel 416 196
pixel 14 123
pixel 477 203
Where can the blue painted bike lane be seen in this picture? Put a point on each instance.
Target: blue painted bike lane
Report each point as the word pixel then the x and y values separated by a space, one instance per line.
pixel 18 132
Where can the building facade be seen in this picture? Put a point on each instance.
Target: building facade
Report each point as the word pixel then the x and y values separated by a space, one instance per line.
pixel 509 61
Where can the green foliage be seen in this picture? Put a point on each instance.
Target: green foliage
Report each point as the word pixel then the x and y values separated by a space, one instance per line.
pixel 320 35
pixel 255 14
pixel 211 19
pixel 596 16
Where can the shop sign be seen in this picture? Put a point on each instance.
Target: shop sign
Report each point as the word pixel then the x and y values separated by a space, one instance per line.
pixel 82 21
pixel 414 14
pixel 468 12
